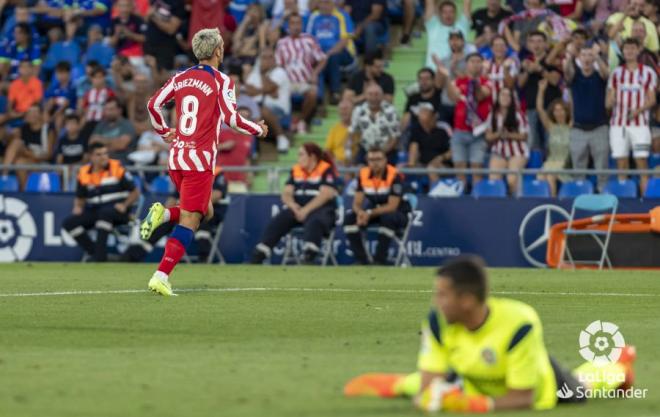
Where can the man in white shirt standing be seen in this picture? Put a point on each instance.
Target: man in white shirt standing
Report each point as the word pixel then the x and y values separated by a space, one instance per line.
pixel 440 21
pixel 270 86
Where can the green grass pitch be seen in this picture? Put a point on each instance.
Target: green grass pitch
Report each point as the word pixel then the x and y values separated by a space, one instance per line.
pixel 271 341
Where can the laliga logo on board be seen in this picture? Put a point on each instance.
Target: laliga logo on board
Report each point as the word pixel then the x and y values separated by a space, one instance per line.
pixel 601 343
pixel 17 230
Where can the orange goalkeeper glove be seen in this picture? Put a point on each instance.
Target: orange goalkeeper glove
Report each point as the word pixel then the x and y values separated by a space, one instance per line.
pixel 441 395
pixel 457 401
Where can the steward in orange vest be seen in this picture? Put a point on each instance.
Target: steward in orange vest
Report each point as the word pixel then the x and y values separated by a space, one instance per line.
pixel 378 201
pixel 104 194
pixel 309 199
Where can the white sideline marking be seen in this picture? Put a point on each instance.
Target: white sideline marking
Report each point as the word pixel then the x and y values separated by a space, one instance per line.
pixel 284 289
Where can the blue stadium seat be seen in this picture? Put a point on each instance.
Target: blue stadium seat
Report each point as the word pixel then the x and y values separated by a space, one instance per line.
pixel 535 160
pixel 535 188
pixel 43 182
pixel 8 184
pixel 654 160
pixel 611 164
pixel 489 188
pixel 652 188
pixel 621 188
pixel 573 189
pixel 162 185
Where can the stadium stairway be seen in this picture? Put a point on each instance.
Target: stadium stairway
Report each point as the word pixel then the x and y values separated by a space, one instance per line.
pixel 403 65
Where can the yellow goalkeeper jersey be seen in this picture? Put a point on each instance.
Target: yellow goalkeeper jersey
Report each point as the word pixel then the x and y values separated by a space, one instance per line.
pixel 506 352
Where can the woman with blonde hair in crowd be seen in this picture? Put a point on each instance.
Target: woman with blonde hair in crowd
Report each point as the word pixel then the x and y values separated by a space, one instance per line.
pixel 557 122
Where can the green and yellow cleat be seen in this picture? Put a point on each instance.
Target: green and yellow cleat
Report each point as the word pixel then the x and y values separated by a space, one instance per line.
pixel 160 287
pixel 152 221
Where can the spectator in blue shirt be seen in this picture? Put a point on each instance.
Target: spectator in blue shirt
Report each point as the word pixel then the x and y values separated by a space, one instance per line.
pixel 97 50
pixel 21 14
pixel 61 94
pixel 21 49
pixel 370 23
pixel 59 50
pixel 333 28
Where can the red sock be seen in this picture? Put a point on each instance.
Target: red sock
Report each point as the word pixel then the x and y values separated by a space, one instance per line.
pixel 174 251
pixel 175 213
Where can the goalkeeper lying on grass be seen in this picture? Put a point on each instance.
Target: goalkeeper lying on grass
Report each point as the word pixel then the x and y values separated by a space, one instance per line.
pixel 483 353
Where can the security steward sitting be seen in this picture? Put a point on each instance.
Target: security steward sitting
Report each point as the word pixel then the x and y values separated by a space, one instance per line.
pixel 204 235
pixel 104 194
pixel 381 185
pixel 309 199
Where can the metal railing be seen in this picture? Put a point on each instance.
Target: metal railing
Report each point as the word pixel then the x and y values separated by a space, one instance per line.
pixel 274 173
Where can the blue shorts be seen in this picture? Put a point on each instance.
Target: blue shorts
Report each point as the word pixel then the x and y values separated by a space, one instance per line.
pixel 465 147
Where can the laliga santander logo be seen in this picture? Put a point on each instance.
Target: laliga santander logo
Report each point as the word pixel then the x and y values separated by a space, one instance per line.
pixel 601 343
pixel 17 230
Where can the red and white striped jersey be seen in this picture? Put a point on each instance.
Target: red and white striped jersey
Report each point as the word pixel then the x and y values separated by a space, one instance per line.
pixel 93 102
pixel 507 148
pixel 496 74
pixel 298 56
pixel 630 89
pixel 204 98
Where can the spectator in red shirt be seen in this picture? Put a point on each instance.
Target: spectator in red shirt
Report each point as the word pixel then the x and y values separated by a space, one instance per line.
pixel 92 102
pixel 212 14
pixel 472 94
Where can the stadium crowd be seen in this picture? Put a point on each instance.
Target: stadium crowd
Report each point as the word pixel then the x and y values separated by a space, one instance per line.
pixel 543 83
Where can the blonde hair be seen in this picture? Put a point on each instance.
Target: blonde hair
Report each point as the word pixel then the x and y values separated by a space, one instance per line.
pixel 205 42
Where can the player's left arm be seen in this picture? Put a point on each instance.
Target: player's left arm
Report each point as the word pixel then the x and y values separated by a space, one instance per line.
pixel 230 115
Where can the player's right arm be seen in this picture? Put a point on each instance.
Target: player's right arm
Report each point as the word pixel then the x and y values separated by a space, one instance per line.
pixel 155 108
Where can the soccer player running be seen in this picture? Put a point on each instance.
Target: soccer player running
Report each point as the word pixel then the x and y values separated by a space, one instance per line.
pixel 205 99
pixel 482 353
